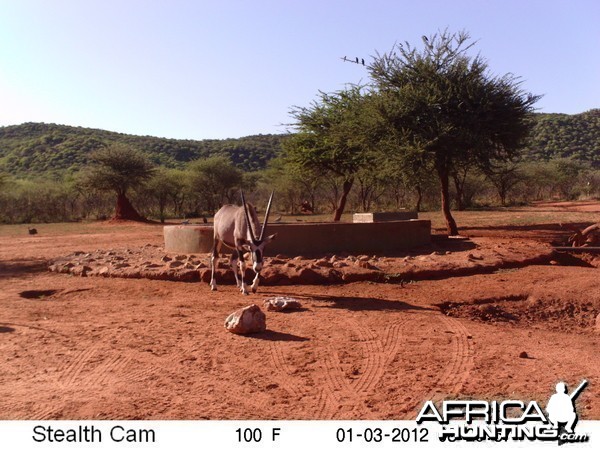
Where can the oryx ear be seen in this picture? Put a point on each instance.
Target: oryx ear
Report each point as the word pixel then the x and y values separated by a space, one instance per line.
pixel 269 238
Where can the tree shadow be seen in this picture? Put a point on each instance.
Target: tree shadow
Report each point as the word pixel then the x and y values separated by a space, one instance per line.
pixel 569 259
pixel 359 303
pixel 553 233
pixel 368 304
pixel 40 294
pixel 11 329
pixel 531 227
pixel 21 267
pixel 271 335
pixel 438 242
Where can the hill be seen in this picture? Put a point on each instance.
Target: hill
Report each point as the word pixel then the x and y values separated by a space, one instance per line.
pixel 38 148
pixel 566 136
pixel 34 148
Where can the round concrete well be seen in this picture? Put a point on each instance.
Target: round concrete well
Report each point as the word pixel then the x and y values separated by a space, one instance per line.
pixel 314 238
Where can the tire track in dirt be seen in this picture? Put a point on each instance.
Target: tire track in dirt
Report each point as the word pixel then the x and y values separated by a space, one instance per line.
pixel 377 353
pixel 140 373
pixel 324 409
pixel 338 394
pixel 392 339
pixel 42 413
pixel 112 366
pixel 71 371
pixel 285 381
pixel 326 399
pixel 29 410
pixel 457 370
pixel 454 378
pixel 372 357
pixel 118 367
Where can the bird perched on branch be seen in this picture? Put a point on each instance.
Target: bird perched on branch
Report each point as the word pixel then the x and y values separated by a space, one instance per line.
pixel 356 60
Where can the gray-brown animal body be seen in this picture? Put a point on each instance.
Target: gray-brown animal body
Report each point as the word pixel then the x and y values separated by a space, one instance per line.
pixel 237 227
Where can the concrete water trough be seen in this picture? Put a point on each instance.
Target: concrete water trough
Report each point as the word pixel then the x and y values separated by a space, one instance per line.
pixel 312 238
pixel 384 216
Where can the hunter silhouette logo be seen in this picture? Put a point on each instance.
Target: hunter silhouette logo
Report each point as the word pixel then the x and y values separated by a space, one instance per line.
pixel 561 409
pixel 516 420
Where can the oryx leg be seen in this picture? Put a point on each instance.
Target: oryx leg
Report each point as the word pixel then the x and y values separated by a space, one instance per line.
pixel 234 266
pixel 255 283
pixel 242 266
pixel 214 257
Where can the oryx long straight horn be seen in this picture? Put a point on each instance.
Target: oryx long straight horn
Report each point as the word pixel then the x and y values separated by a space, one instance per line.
pixel 264 227
pixel 248 217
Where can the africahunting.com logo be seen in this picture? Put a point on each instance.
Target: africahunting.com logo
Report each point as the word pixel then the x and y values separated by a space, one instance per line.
pixel 478 420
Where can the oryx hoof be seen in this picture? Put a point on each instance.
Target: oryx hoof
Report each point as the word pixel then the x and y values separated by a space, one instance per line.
pixel 213 288
pixel 254 289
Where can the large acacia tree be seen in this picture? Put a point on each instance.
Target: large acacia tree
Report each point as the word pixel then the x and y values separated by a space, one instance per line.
pixel 119 168
pixel 445 105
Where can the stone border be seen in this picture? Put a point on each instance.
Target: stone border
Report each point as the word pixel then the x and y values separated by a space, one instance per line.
pixel 152 262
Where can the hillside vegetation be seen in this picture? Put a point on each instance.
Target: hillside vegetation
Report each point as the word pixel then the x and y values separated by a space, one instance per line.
pixel 55 150
pixel 574 136
pixel 38 148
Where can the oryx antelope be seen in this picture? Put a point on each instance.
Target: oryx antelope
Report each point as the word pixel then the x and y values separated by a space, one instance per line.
pixel 237 228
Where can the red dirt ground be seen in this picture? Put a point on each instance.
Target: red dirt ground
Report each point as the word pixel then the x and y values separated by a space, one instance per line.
pixel 114 348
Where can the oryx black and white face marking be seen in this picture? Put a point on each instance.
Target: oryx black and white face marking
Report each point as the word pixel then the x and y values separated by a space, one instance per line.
pixel 237 227
pixel 257 260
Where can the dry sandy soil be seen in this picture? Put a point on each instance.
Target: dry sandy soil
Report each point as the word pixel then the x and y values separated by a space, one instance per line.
pixel 117 348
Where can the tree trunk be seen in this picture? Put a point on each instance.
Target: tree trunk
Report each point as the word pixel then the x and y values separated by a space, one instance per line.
pixel 342 203
pixel 125 210
pixel 502 195
pixel 445 191
pixel 419 197
pixel 460 204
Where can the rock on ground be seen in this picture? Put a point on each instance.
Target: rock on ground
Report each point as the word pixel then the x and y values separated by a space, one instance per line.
pixel 282 304
pixel 246 320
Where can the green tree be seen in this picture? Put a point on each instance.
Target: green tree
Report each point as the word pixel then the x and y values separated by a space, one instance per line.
pixel 333 136
pixel 505 176
pixel 567 173
pixel 3 180
pixel 407 170
pixel 119 168
pixel 214 181
pixel 163 188
pixel 293 184
pixel 446 105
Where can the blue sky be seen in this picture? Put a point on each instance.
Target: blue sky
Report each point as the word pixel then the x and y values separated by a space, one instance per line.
pixel 218 69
